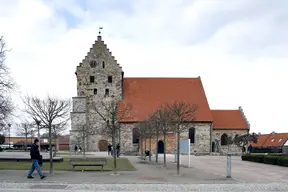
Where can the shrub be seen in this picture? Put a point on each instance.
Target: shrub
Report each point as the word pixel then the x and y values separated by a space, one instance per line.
pixel 272 159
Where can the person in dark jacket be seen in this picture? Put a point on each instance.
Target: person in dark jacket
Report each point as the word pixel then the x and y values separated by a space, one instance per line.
pixel 118 150
pixel 109 149
pixel 35 156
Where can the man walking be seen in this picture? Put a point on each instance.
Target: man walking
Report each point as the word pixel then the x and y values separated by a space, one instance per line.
pixel 35 156
pixel 118 150
pixel 109 149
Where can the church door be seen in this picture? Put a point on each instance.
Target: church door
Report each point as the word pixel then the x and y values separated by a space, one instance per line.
pixel 102 145
pixel 160 147
pixel 213 146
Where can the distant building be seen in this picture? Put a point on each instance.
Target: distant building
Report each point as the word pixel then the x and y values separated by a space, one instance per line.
pixel 61 143
pixel 272 142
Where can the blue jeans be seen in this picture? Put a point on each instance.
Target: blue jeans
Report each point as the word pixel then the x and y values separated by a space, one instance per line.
pixel 35 165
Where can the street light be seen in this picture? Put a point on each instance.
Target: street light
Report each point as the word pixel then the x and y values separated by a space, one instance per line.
pixel 9 127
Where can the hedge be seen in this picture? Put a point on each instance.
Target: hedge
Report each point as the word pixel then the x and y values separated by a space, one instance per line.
pixel 281 160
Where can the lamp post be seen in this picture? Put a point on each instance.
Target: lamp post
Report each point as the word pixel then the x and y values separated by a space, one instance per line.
pixel 9 127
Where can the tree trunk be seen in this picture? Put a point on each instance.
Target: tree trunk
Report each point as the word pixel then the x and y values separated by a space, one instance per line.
pixel 83 140
pixel 26 142
pixel 141 146
pixel 114 149
pixel 38 129
pixel 178 150
pixel 157 136
pixel 164 138
pixel 145 143
pixel 150 147
pixel 119 136
pixel 51 150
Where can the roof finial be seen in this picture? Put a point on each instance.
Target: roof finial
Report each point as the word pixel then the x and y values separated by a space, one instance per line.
pixel 100 28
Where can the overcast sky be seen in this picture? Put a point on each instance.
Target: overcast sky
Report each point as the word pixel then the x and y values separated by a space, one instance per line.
pixel 238 47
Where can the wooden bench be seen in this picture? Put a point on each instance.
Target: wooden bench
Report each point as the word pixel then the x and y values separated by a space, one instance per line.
pixel 88 161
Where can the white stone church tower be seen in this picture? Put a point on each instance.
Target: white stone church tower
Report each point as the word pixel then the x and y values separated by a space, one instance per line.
pixel 99 77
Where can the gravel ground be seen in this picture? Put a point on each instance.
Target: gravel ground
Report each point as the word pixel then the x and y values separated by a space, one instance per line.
pixel 253 187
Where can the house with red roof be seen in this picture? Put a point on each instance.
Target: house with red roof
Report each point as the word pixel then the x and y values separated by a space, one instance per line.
pixel 100 77
pixel 273 142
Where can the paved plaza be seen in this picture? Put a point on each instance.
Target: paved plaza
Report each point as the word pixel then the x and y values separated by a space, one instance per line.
pixel 207 173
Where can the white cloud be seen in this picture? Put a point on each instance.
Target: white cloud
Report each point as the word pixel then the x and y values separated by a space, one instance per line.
pixel 237 47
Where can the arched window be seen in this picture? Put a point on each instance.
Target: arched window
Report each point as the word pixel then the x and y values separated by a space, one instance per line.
pixel 93 64
pixel 192 135
pixel 224 139
pixel 135 135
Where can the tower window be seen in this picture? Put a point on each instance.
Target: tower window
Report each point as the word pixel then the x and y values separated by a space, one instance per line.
pixel 92 79
pixel 109 79
pixel 93 64
pixel 106 92
pixel 103 64
pixel 95 91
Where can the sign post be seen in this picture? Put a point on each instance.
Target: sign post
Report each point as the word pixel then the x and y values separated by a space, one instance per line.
pixel 189 153
pixel 185 148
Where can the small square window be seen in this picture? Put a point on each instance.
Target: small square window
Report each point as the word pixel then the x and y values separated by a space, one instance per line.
pixel 109 79
pixel 95 91
pixel 92 79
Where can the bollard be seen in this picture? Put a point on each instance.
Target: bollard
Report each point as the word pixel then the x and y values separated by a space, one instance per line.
pixel 175 155
pixel 228 172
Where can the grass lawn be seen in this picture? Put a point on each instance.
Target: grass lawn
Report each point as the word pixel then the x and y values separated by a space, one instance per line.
pixel 123 164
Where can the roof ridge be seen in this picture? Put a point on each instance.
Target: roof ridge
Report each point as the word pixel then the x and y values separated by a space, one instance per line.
pixel 160 77
pixel 225 110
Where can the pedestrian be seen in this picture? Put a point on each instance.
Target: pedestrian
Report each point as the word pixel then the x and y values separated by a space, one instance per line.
pixel 35 156
pixel 112 150
pixel 118 150
pixel 109 149
pixel 75 149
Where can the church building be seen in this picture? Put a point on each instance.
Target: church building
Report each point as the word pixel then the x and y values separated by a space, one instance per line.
pixel 99 76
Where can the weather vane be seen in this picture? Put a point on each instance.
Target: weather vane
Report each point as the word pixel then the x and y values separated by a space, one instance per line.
pixel 100 28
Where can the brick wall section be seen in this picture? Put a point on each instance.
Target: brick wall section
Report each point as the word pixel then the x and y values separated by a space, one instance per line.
pixel 170 143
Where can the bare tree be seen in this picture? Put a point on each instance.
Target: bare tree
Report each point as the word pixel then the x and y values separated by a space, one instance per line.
pixel 50 111
pixel 243 140
pixel 25 129
pixel 83 131
pixel 2 139
pixel 111 112
pixel 142 137
pixel 147 129
pixel 181 113
pixel 155 130
pixel 164 118
pixel 6 85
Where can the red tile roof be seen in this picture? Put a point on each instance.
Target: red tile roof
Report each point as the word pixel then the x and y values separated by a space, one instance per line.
pixel 276 140
pixel 228 119
pixel 146 95
pixel 261 140
pixel 271 140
